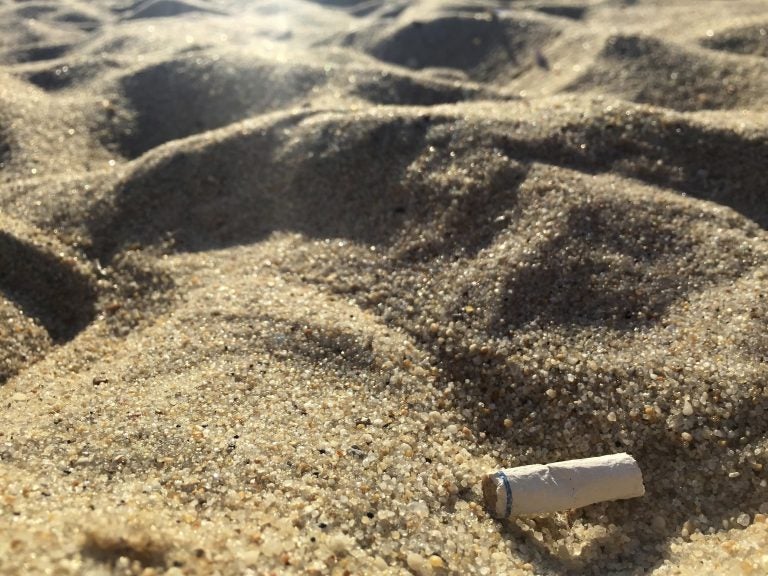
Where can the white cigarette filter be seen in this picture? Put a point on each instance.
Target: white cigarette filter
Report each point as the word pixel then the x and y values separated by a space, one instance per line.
pixel 545 488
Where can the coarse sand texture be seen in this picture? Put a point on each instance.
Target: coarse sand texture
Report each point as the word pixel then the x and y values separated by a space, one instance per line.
pixel 281 281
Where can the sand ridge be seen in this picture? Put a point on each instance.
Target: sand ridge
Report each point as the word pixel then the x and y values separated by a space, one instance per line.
pixel 279 281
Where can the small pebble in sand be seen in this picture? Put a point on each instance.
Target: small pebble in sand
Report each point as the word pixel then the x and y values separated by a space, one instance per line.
pixel 743 520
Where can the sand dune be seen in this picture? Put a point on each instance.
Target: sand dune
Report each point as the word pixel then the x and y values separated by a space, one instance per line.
pixel 484 46
pixel 646 70
pixel 749 40
pixel 280 280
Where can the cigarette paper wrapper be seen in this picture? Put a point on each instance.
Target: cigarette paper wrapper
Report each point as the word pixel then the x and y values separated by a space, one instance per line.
pixel 541 489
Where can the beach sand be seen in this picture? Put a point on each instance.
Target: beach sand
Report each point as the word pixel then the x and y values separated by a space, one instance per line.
pixel 280 281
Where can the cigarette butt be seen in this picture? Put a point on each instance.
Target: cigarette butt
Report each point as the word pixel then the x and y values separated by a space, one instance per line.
pixel 545 488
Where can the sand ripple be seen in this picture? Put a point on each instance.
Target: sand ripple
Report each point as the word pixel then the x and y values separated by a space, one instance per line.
pixel 280 280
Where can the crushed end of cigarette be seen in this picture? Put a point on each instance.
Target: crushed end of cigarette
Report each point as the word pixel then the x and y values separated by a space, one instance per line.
pixel 491 495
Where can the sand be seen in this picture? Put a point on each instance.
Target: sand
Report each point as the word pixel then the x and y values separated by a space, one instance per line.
pixel 280 281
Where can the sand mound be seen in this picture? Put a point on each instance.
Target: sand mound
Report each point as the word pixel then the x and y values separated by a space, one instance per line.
pixel 47 296
pixel 648 70
pixel 46 280
pixel 23 341
pixel 665 149
pixel 60 77
pixel 40 134
pixel 27 27
pixel 28 43
pixel 486 46
pixel 750 40
pixel 86 21
pixel 50 289
pixel 37 53
pixel 46 32
pixel 574 12
pixel 167 9
pixel 291 174
pixel 279 281
pixel 231 89
pixel 221 89
pixel 5 149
